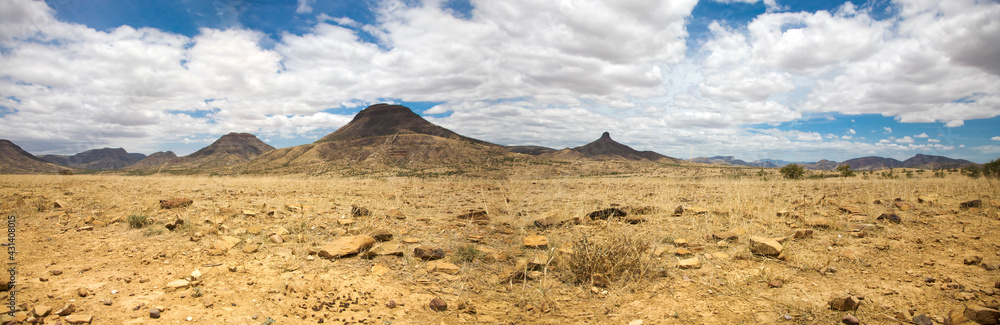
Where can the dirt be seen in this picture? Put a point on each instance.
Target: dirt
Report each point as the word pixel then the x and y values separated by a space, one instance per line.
pixel 92 244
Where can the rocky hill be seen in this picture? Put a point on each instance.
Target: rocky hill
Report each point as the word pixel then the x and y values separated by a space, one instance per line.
pixel 935 162
pixel 155 159
pixel 100 159
pixel 14 160
pixel 606 148
pixel 386 136
pixel 726 160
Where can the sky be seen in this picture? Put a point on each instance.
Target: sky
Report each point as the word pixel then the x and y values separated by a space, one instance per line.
pixel 780 79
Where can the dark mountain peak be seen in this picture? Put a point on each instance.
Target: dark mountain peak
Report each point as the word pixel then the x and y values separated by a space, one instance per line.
pixel 605 136
pixel 388 120
pixel 13 159
pixel 242 144
pixel 605 147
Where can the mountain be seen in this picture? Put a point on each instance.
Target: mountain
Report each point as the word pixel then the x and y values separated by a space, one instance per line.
pixel 530 150
pixel 822 165
pixel 726 160
pixel 100 159
pixel 155 159
pixel 605 148
pixel 14 160
pixel 229 150
pixel 385 136
pixel 872 163
pixel 935 162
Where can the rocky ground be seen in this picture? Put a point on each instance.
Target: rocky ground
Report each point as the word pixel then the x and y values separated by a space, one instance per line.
pixel 614 250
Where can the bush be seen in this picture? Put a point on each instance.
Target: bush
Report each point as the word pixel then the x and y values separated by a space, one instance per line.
pixel 65 172
pixel 138 221
pixel 621 256
pixel 793 171
pixel 845 170
pixel 971 171
pixel 466 253
pixel 992 168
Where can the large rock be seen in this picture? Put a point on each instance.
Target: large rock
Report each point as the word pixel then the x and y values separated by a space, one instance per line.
pixel 606 213
pixel 178 284
pixel 390 248
pixel 346 246
pixel 971 204
pixel 79 319
pixel 982 315
pixel 225 243
pixel 844 303
pixel 443 267
pixel 691 263
pixel 428 253
pixel 765 247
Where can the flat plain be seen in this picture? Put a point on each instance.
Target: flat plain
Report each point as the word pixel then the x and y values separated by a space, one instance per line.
pixel 548 250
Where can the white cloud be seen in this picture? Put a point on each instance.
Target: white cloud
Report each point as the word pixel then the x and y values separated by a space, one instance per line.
pixel 922 135
pixel 933 140
pixel 887 129
pixel 988 149
pixel 847 137
pixel 906 139
pixel 304 7
pixel 770 4
pixel 851 131
pixel 997 138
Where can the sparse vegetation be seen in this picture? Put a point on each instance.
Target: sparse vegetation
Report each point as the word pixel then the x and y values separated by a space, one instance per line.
pixel 466 253
pixel 65 172
pixel 619 256
pixel 972 171
pixel 992 168
pixel 845 170
pixel 137 221
pixel 792 171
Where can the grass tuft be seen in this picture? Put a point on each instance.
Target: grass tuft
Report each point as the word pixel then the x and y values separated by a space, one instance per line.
pixel 137 221
pixel 621 257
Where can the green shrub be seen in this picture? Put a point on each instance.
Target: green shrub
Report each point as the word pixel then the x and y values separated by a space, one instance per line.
pixel 792 171
pixel 138 221
pixel 845 170
pixel 971 171
pixel 466 253
pixel 992 168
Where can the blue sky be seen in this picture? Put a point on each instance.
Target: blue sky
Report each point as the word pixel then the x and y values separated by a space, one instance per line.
pixel 792 80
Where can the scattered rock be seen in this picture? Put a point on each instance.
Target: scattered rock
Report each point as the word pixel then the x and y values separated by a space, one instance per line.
pixel 725 235
pixel 358 211
pixel 890 217
pixel 225 243
pixel 775 284
pixel 982 315
pixel 633 219
pixel 66 310
pixel 154 313
pixel 536 241
pixel 346 246
pixel 41 311
pixel 765 247
pixel 922 320
pixel 250 249
pixel 176 203
pixel 437 304
pixel 971 204
pixel 606 213
pixel 850 320
pixel 82 292
pixel 474 216
pixel 852 210
pixel 844 303
pixel 178 284
pixel 679 210
pixel 106 302
pixel 903 206
pixel 681 242
pixel 276 239
pixel 395 213
pixel 428 253
pixel 973 260
pixel 443 267
pixel 390 304
pixel 802 233
pixel 255 230
pixel 384 249
pixel 79 319
pixel 691 263
pixel 55 272
pixel 381 235
pixel 818 222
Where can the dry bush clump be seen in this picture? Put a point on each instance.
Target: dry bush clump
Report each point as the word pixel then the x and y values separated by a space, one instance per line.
pixel 621 256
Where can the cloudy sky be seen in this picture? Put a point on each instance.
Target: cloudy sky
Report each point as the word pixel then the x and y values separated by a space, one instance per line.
pixel 794 80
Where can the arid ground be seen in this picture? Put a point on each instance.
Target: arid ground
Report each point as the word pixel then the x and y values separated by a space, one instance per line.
pixel 101 244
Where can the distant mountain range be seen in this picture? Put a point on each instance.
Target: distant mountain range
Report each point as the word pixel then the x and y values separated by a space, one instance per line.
pixel 919 161
pixel 384 136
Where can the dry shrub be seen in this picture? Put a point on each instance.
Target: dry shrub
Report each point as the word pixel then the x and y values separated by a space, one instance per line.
pixel 621 256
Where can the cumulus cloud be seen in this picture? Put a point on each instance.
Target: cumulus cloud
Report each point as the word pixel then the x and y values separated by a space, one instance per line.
pixel 922 135
pixel 906 139
pixel 304 7
pixel 997 138
pixel 851 131
pixel 887 129
pixel 933 141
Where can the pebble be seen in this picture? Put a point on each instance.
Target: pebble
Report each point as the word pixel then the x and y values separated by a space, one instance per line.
pixel 79 319
pixel 536 241
pixel 850 320
pixel 765 247
pixel 66 310
pixel 437 304
pixel 276 239
pixel 922 320
pixel 844 303
pixel 775 284
pixel 154 313
pixel 83 292
pixel 428 253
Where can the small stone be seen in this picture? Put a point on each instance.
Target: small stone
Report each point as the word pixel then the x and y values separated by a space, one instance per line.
pixel 474 216
pixel 428 253
pixel 922 320
pixel 973 259
pixel 195 274
pixel 802 233
pixel 682 252
pixel 691 263
pixel 255 230
pixel 604 214
pixel 250 249
pixel 850 320
pixel 679 210
pixel 982 315
pixel 390 304
pixel 66 310
pixel 79 319
pixel 154 313
pixel 725 235
pixel 106 302
pixel 536 241
pixel 765 247
pixel 225 243
pixel 82 292
pixel 178 284
pixel 175 203
pixel 903 206
pixel 437 304
pixel 276 239
pixel 232 269
pixel 635 322
pixel 844 303
pixel 42 311
pixel 55 272
pixel 358 211
pixel 382 235
pixel 971 204
pixel 818 222
pixel 395 213
pixel 380 269
pixel 890 217
pixel 346 246
pixel 443 267
pixel 775 284
pixel 681 242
